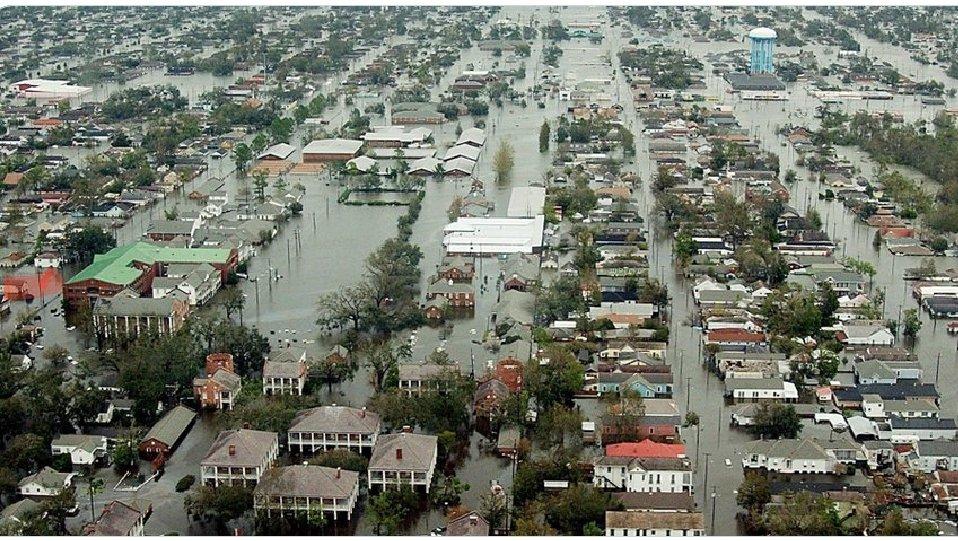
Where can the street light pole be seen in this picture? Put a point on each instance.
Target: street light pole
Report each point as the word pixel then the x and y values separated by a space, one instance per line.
pixel 705 485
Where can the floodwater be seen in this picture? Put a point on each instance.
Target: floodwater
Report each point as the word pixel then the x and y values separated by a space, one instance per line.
pixel 324 249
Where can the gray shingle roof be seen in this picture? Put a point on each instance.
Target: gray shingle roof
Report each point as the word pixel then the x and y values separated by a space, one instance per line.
pixel 171 426
pixel 311 481
pixel 336 419
pixel 418 452
pixel 251 448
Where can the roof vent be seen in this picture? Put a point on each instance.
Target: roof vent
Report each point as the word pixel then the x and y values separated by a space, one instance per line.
pixel 232 450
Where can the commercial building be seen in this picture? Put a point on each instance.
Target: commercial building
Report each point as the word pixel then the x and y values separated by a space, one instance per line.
pixel 45 89
pixel 134 267
pixel 494 236
pixel 763 48
pixel 331 150
pixel 526 202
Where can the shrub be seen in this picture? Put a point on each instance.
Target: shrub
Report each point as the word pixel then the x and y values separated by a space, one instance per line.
pixel 185 483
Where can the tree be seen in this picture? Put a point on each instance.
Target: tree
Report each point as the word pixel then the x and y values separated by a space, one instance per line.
pixel 233 301
pixel 571 510
pixel 776 421
pixel 90 241
pixel 863 267
pixel 56 354
pixel 389 509
pixel 243 155
pixel 341 458
pixel 558 423
pixel 804 514
pixel 732 217
pixel 554 382
pixel 124 457
pixel 220 504
pixel 814 219
pixel 382 358
pixel 894 524
pixel 754 492
pixel 259 143
pixel 544 134
pixel 683 248
pixel 911 323
pixel 503 160
pixel 493 509
pixel 260 184
pixel 939 245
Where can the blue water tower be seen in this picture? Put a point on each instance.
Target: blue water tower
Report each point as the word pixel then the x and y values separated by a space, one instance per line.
pixel 763 48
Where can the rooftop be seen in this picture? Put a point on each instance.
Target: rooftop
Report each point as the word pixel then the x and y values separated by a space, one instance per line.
pixel 116 266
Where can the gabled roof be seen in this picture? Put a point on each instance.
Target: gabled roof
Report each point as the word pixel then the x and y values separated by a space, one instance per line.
pixel 171 426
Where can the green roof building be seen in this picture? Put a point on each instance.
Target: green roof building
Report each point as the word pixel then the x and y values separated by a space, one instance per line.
pixel 135 265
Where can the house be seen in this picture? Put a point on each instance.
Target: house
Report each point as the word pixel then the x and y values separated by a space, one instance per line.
pixel 331 150
pixel 488 397
pixel 14 517
pixel 279 151
pixel 281 378
pixel 119 519
pixel 456 294
pixel 520 272
pixel 333 427
pixel 507 442
pixel 760 390
pixel 673 502
pixel 789 456
pixel 928 456
pixel 167 433
pixel 865 335
pixel 653 523
pixel 291 490
pixel 127 314
pixel 239 457
pixel 643 474
pixel 645 449
pixel 734 339
pixel 48 259
pixel 83 449
pixel 414 379
pixel 45 483
pixel 457 269
pixel 199 282
pixel 469 524
pixel 922 428
pixel 172 230
pixel 219 386
pixel 403 459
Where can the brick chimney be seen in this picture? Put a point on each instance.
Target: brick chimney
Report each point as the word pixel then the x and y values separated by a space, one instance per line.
pixel 362 413
pixel 407 429
pixel 232 450
pixel 339 473
pixel 399 453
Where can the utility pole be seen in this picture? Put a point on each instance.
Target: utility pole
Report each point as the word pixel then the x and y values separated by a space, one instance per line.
pixel 706 483
pixel 712 527
pixel 688 392
pixel 937 365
